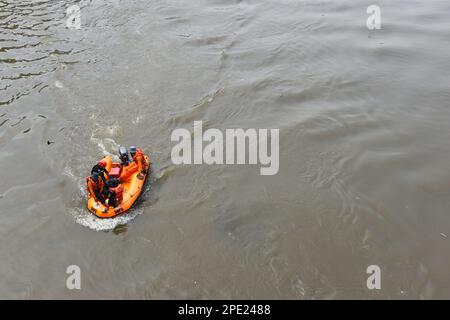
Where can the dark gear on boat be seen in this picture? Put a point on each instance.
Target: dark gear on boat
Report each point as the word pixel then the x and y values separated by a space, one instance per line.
pixel 114 192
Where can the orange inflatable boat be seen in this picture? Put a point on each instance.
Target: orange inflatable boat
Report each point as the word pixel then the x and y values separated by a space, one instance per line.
pixel 132 182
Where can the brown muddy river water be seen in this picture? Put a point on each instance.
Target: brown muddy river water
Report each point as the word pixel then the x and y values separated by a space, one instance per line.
pixel 364 148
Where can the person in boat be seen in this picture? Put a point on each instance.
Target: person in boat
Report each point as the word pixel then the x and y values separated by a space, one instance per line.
pixel 96 186
pixel 113 191
pixel 100 169
pixel 138 157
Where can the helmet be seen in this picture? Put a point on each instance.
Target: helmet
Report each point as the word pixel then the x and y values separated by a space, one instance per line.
pixel 102 163
pixel 133 150
pixel 95 176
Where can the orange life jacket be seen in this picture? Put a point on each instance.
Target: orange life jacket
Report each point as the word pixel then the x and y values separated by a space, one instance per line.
pixel 94 187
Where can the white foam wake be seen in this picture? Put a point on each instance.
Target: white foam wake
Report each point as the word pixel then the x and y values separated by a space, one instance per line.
pixel 87 219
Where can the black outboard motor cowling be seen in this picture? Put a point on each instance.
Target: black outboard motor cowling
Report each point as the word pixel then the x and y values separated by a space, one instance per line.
pixel 123 155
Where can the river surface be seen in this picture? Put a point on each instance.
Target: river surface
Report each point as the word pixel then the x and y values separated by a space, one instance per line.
pixel 364 175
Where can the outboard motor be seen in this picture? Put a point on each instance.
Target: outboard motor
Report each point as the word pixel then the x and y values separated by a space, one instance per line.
pixel 133 150
pixel 123 155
